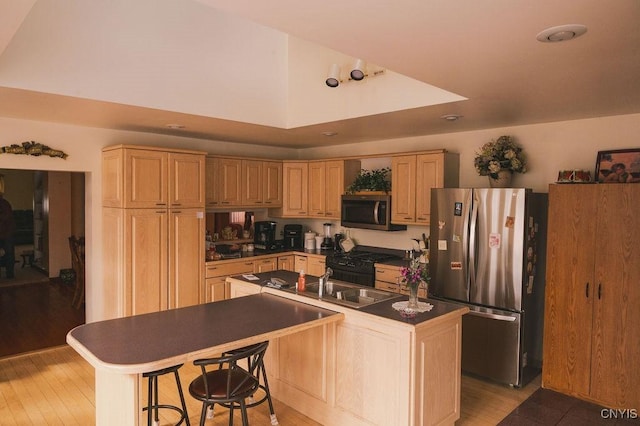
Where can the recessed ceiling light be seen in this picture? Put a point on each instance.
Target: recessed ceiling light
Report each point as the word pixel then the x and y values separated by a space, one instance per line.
pixel 175 126
pixel 329 133
pixel 451 117
pixel 561 33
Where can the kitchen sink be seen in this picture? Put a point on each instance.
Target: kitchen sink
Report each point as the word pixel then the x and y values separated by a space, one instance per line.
pixel 353 296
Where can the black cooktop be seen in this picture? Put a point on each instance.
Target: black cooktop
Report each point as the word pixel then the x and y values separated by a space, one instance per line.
pixel 360 257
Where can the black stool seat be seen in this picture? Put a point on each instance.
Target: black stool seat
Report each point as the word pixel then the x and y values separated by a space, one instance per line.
pixel 229 384
pixel 153 405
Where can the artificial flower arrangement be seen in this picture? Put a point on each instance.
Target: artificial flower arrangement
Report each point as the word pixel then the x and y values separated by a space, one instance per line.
pixel 500 154
pixel 415 274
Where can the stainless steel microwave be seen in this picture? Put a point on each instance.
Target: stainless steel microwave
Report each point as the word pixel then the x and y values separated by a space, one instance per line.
pixel 368 212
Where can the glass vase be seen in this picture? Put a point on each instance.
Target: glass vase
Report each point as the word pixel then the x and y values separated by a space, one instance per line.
pixel 413 297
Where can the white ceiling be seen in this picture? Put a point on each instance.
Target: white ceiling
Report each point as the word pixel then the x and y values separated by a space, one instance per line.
pixel 484 51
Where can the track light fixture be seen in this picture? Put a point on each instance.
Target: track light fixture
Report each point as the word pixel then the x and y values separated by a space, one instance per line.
pixel 358 71
pixel 333 79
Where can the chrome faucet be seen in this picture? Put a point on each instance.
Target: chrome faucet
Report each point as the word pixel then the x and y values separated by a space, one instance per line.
pixel 323 279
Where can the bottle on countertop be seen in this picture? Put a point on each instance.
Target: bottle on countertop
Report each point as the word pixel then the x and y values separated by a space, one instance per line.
pixel 302 281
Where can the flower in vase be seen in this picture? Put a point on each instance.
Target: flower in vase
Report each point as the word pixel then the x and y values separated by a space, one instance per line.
pixel 414 274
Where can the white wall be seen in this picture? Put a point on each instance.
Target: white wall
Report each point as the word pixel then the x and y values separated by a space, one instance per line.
pixel 550 147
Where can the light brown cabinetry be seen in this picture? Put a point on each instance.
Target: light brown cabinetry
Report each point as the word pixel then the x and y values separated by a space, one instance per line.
pixel 295 187
pixel 217 273
pixel 389 278
pixel 237 182
pixel 328 180
pixel 265 264
pixel 261 183
pixel 286 263
pixel 412 177
pixel 312 264
pixel 419 384
pixel 153 254
pixel 592 321
pixel 211 182
pixel 135 177
pixel 229 182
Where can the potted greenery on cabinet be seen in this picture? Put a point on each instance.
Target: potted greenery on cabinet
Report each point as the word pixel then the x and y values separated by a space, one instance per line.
pixel 376 180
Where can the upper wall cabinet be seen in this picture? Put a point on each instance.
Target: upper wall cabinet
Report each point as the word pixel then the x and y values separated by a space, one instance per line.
pixel 295 187
pixel 236 182
pixel 412 177
pixel 328 180
pixel 261 183
pixel 146 177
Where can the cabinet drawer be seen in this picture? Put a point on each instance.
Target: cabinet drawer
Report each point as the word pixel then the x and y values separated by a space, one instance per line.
pixel 390 274
pixel 228 269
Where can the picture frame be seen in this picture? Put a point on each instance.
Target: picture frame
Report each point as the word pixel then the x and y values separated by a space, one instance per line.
pixel 618 166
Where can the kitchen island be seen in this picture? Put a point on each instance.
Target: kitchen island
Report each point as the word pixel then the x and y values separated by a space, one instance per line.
pixel 374 367
pixel 122 349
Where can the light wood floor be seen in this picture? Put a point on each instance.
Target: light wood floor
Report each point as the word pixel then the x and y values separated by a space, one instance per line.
pixel 56 387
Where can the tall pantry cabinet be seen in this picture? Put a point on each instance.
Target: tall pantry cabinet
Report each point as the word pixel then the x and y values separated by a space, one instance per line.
pixel 153 228
pixel 592 295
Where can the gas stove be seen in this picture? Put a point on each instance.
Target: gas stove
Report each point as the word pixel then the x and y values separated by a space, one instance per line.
pixel 358 265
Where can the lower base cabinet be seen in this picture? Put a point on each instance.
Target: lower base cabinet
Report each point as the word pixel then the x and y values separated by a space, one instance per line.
pixel 367 370
pixel 389 278
pixel 216 275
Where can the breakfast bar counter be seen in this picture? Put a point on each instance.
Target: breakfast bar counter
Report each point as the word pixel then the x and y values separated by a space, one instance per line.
pixel 122 349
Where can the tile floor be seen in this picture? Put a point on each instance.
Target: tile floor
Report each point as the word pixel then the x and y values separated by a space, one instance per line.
pixel 546 407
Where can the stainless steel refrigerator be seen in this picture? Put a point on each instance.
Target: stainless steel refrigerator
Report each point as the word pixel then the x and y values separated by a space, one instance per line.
pixel 488 252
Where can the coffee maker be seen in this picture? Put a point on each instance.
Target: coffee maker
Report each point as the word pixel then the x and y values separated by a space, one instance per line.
pixel 293 237
pixel 264 236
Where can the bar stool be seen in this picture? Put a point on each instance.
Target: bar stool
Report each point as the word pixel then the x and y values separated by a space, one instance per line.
pixel 229 384
pixel 153 405
pixel 257 365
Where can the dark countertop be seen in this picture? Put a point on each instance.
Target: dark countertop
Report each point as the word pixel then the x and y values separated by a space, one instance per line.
pixel 256 253
pixel 142 342
pixel 382 309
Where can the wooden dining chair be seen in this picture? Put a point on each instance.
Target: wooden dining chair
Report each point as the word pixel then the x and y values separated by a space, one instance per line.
pixel 77 262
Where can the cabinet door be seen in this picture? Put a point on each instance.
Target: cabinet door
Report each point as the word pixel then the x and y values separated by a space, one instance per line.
pixel 334 188
pixel 146 280
pixel 286 263
pixel 211 182
pixel 316 266
pixel 615 376
pixel 403 187
pixel 146 179
pixel 317 188
pixel 301 263
pixel 295 177
pixel 230 182
pixel 216 289
pixel 186 254
pixel 272 183
pixel 429 174
pixel 252 183
pixel 186 180
pixel 112 178
pixel 570 288
pixel 265 265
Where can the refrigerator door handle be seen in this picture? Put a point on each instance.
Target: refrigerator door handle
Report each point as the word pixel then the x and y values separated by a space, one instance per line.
pixel 492 316
pixel 472 242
